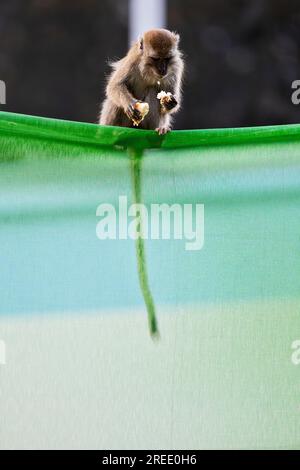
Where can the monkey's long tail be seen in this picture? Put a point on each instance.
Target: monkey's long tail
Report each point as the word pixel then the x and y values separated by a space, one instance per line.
pixel 136 156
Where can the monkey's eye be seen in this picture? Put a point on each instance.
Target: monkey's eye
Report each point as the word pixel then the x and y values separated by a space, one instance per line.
pixel 155 59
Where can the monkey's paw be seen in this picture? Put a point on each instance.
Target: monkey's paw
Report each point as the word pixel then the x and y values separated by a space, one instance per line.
pixel 137 112
pixel 133 113
pixel 163 130
pixel 167 101
pixel 170 103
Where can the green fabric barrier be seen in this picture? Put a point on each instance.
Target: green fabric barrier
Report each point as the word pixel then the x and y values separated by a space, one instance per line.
pixel 92 134
pixel 224 373
pixel 82 136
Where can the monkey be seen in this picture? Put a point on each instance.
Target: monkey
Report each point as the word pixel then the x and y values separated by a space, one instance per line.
pixel 153 64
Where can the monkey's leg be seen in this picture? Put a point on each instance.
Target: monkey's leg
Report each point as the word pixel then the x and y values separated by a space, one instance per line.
pixel 111 115
pixel 136 159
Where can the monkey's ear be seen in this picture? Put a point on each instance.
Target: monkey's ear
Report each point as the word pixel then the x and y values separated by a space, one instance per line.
pixel 141 41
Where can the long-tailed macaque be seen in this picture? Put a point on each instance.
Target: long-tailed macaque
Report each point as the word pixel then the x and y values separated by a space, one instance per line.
pixel 152 65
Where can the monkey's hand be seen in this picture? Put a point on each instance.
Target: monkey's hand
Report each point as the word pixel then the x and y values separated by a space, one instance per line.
pixel 136 111
pixel 132 112
pixel 167 101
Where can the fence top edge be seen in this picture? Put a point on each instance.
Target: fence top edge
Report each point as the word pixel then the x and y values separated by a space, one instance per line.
pixel 105 136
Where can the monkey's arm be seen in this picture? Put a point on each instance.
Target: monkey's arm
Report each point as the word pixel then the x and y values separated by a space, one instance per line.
pixel 117 91
pixel 165 124
pixel 174 87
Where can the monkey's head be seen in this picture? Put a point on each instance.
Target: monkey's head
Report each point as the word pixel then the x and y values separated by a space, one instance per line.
pixel 159 51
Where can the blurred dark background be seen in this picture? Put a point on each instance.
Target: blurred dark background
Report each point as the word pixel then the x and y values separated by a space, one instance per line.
pixel 241 56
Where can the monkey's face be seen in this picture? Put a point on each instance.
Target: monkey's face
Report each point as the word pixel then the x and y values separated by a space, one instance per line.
pixel 159 65
pixel 156 67
pixel 159 51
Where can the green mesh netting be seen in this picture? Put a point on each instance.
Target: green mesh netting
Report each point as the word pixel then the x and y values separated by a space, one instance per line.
pixel 224 373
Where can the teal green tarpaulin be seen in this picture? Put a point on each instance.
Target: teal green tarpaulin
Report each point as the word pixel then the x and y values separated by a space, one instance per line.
pixel 80 368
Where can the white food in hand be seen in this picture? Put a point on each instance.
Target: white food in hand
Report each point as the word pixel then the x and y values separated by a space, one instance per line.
pixel 164 96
